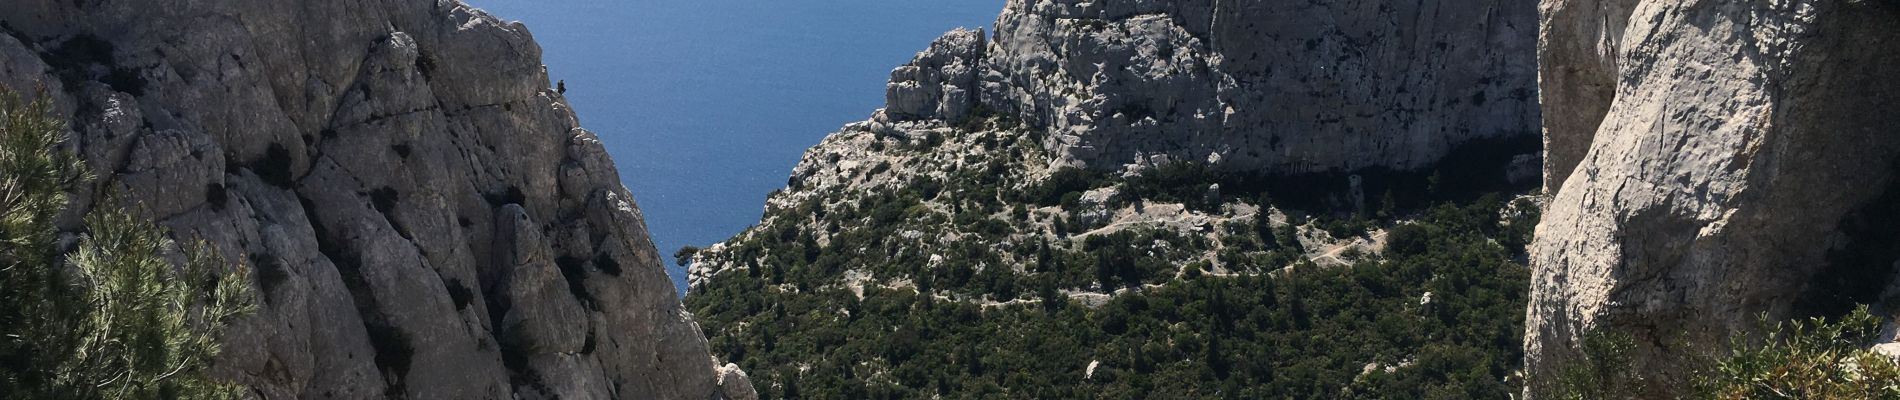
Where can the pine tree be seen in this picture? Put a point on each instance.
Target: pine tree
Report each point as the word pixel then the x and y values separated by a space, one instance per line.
pixel 1263 224
pixel 114 318
pixel 32 178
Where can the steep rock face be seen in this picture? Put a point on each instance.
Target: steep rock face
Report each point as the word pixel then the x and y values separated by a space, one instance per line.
pixel 1252 86
pixel 1714 160
pixel 424 217
pixel 1257 85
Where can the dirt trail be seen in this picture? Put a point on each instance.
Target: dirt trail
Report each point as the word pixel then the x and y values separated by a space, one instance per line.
pixel 1330 253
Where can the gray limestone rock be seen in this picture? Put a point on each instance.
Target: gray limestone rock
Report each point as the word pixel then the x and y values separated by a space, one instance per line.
pixel 1259 85
pixel 1712 161
pixel 733 380
pixel 423 216
pixel 940 82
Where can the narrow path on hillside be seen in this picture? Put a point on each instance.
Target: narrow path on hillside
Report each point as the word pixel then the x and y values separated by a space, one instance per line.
pixel 1332 251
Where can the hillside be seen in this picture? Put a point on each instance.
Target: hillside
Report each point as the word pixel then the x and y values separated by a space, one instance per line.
pixel 1061 210
pixel 900 268
pixel 1098 199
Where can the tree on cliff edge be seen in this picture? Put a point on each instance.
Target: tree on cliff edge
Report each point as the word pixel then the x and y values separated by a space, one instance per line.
pixel 111 317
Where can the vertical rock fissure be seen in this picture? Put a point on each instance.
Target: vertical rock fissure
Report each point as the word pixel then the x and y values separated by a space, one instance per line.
pixel 394 352
pixel 1578 69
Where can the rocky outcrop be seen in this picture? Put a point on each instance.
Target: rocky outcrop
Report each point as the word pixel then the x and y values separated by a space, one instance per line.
pixel 423 216
pixel 1253 86
pixel 1256 85
pixel 1713 160
pixel 734 382
pixel 941 82
pixel 958 190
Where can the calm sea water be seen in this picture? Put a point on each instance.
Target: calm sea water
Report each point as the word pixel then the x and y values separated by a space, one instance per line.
pixel 707 104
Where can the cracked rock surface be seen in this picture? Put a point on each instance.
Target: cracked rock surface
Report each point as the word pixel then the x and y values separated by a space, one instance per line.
pixel 1712 161
pixel 423 216
pixel 1287 87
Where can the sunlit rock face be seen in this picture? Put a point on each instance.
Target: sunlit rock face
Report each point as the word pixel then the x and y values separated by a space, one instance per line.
pixel 1711 161
pixel 1256 85
pixel 1260 87
pixel 422 215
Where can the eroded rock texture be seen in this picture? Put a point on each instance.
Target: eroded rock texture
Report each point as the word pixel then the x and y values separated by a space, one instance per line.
pixel 423 216
pixel 1713 160
pixel 1258 85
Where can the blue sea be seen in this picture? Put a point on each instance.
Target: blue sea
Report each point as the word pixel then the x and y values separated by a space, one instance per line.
pixel 707 104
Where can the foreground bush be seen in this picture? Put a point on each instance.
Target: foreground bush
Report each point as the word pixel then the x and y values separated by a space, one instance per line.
pixel 1813 359
pixel 112 319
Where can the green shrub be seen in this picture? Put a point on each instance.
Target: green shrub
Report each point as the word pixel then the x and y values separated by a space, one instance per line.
pixel 114 318
pixel 684 256
pixel 1604 371
pixel 1179 182
pixel 1813 359
pixel 1061 185
pixel 1305 334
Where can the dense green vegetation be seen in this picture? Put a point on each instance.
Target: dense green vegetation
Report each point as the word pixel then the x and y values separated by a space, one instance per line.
pixel 980 283
pixel 1814 358
pixel 113 319
pixel 1308 333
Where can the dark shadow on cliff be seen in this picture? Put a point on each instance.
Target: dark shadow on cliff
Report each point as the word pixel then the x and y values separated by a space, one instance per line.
pixel 1851 99
pixel 1469 171
pixel 1859 270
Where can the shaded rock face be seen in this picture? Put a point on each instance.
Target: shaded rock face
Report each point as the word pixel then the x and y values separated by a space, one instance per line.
pixel 423 216
pixel 1712 161
pixel 1257 85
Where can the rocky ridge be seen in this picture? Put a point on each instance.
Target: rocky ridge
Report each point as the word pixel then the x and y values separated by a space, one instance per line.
pixel 1128 86
pixel 423 216
pixel 1711 161
pixel 967 180
pixel 1251 85
pixel 950 260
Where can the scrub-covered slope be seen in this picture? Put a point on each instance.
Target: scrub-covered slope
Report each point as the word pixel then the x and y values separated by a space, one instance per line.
pixel 947 263
pixel 1127 199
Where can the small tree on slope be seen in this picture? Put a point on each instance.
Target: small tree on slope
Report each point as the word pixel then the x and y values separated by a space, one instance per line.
pixel 112 318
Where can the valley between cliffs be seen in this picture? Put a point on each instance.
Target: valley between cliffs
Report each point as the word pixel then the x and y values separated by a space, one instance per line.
pixel 1092 199
pixel 1704 166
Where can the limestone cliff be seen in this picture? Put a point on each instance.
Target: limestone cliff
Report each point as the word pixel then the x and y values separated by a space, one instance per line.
pixel 1257 85
pixel 423 216
pixel 1712 161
